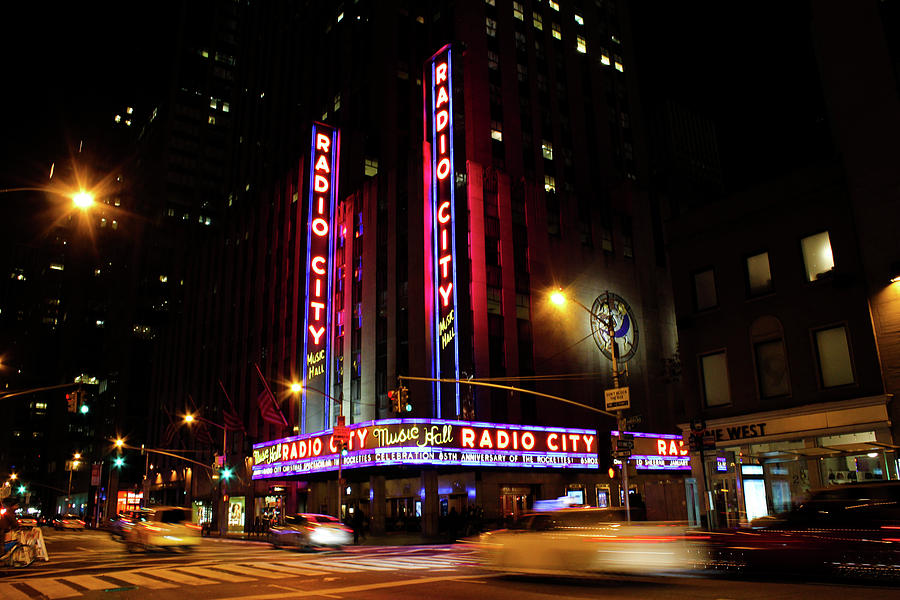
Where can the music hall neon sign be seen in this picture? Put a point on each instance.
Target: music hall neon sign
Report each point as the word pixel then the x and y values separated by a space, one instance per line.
pixel 323 178
pixel 439 131
pixel 429 442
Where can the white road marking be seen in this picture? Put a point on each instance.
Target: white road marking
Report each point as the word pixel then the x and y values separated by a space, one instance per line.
pixel 88 581
pixel 139 580
pixel 53 589
pixel 8 592
pixel 291 570
pixel 248 570
pixel 173 575
pixel 213 574
pixel 300 564
pixel 369 564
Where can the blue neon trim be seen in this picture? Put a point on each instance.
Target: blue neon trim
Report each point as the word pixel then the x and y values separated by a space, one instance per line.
pixel 312 158
pixel 435 255
pixel 453 216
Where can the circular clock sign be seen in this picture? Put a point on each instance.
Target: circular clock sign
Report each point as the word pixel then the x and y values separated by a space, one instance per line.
pixel 611 312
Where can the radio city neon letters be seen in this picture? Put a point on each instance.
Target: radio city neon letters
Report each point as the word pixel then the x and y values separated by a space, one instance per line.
pixel 319 273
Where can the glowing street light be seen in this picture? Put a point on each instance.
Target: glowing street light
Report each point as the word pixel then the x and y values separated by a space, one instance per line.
pixel 13 476
pixel 558 298
pixel 188 418
pixel 83 200
pixel 119 442
pixel 296 387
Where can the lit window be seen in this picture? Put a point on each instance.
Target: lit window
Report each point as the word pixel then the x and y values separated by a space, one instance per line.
pixel 337 102
pixel 163 278
pixel 103 222
pixel 490 2
pixel 580 44
pixel 204 54
pixel 340 17
pixel 494 301
pixel 554 5
pixel 96 272
pixel 371 167
pixel 557 33
pixel 57 266
pixel 615 39
pixel 714 375
pixel 212 120
pixel 538 21
pixel 99 323
pixel 547 149
pixel 549 183
pixel 117 202
pixel 226 107
pixel 115 224
pixel 604 57
pixel 833 352
pixel 617 63
pixel 491 26
pixel 118 119
pixel 207 221
pixel 129 110
pixel 759 276
pixel 518 11
pixel 128 122
pixel 496 131
pixel 579 19
pixel 817 256
pixel 212 102
pixel 171 212
pixel 705 290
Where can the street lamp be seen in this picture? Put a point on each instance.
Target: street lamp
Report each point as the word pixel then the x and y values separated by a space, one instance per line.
pixel 74 465
pixel 225 473
pixel 83 200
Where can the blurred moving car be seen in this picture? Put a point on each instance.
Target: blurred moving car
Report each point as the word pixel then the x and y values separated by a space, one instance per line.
pixel 68 521
pixel 119 525
pixel 27 521
pixel 166 527
pixel 307 531
pixel 585 541
pixel 849 529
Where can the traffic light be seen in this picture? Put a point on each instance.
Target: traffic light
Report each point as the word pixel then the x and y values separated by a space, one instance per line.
pixel 394 397
pixel 605 444
pixel 405 405
pixel 226 473
pixel 344 448
pixel 72 401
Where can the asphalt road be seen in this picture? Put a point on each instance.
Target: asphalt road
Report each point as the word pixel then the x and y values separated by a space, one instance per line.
pixel 91 566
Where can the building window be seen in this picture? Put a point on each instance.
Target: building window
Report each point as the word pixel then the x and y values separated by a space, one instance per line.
pixel 604 57
pixel 554 5
pixel 833 353
pixel 496 131
pixel 580 44
pixel 494 301
pixel 549 183
pixel 817 256
pixel 518 11
pixel 556 31
pixel 212 102
pixel 371 167
pixel 705 290
pixel 226 107
pixel 522 72
pixel 547 149
pixel 617 62
pixel 493 60
pixel 714 376
pixel 759 276
pixel 579 19
pixel 538 21
pixel 211 120
pixel 523 306
pixel 491 26
pixel 767 338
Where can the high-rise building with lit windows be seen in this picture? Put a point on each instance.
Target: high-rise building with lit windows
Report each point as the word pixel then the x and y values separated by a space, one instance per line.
pixel 544 190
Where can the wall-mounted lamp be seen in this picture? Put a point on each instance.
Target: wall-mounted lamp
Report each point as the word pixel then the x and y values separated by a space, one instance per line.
pixel 895 271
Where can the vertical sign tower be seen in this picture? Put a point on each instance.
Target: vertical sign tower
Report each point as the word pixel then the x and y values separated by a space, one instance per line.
pixel 323 181
pixel 441 194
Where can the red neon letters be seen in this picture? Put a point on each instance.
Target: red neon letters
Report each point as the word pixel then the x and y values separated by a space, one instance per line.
pixel 442 169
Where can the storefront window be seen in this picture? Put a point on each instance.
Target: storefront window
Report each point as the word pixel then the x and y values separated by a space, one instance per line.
pixel 861 458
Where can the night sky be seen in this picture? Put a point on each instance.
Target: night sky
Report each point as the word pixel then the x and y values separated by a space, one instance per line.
pixel 67 67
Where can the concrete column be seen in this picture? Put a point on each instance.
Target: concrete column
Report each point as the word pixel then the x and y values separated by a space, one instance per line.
pixel 431 503
pixel 812 465
pixel 378 505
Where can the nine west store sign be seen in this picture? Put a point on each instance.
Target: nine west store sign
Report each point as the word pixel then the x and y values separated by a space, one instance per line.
pixel 429 442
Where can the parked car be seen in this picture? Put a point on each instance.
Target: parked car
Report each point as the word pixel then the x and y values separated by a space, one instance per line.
pixel 68 521
pixel 588 541
pixel 166 527
pixel 27 521
pixel 308 531
pixel 849 529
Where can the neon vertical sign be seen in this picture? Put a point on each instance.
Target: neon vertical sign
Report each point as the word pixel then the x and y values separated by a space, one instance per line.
pixel 439 111
pixel 323 178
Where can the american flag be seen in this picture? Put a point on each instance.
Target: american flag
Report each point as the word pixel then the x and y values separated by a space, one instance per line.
pixel 268 404
pixel 233 422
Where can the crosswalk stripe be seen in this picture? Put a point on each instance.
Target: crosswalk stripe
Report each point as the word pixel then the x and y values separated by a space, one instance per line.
pixel 213 574
pixel 248 570
pixel 8 592
pixel 140 580
pixel 418 562
pixel 88 581
pixel 290 569
pixel 330 567
pixel 368 566
pixel 52 589
pixel 173 575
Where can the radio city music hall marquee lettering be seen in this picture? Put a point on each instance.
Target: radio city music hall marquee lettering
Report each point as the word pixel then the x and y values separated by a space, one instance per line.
pixel 324 158
pixel 658 451
pixel 429 442
pixel 439 115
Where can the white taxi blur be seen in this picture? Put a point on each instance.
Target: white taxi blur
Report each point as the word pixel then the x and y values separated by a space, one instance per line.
pixel 585 541
pixel 166 527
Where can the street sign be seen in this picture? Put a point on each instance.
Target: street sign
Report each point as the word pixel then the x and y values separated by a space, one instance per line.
pixel 617 398
pixel 624 444
pixel 341 433
pixel 622 453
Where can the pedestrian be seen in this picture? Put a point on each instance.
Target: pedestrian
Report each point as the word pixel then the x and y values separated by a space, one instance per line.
pixel 452 524
pixel 356 524
pixel 8 523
